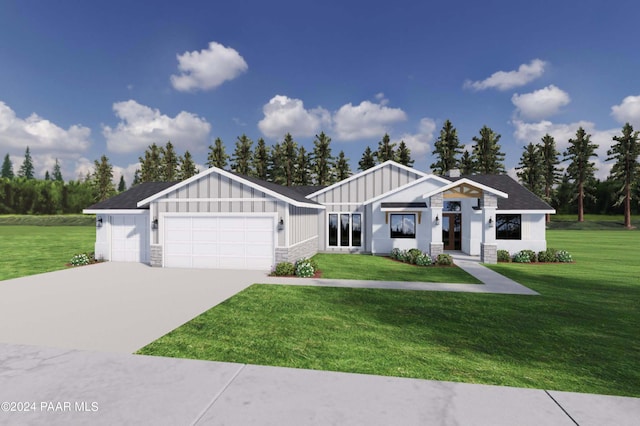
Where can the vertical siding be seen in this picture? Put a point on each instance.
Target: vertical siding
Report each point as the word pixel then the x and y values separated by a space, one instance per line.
pixel 302 224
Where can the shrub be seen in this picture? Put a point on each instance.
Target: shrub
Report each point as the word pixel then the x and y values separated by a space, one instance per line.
pixel 564 256
pixel 531 254
pixel 284 269
pixel 548 255
pixel 423 259
pixel 504 256
pixel 403 256
pixel 444 260
pixel 522 257
pixel 304 268
pixel 80 260
pixel 412 254
pixel 395 253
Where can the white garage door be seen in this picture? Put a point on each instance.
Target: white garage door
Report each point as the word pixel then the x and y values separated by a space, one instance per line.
pixel 225 242
pixel 129 238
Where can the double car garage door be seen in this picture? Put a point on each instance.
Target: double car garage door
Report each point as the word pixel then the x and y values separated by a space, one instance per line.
pixel 227 242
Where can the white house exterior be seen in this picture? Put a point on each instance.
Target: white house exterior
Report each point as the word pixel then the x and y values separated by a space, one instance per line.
pixel 219 219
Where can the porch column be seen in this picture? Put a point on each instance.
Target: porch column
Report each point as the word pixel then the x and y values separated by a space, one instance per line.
pixel 488 246
pixel 436 246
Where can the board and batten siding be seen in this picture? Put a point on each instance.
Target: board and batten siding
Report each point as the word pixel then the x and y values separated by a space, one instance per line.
pixel 302 224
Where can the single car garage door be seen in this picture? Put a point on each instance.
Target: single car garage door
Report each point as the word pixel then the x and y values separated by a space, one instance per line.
pixel 226 242
pixel 129 237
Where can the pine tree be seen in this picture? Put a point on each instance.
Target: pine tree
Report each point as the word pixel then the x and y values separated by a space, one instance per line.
pixel 241 159
pixel 7 168
pixel 151 164
pixel 217 155
pixel 342 169
pixel 168 163
pixel 260 161
pixel 367 160
pixel 403 155
pixel 136 178
pixel 276 170
pixel 551 174
pixel 466 164
pixel 447 149
pixel 122 186
pixel 321 159
pixel 57 173
pixel 102 179
pixel 580 170
pixel 530 169
pixel 186 167
pixel 626 170
pixel 302 174
pixel 385 149
pixel 289 157
pixel 46 175
pixel 487 157
pixel 26 170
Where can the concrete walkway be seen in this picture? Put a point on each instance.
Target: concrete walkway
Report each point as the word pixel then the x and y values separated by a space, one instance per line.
pixel 70 387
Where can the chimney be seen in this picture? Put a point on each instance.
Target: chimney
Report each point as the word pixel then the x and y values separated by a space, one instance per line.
pixel 453 173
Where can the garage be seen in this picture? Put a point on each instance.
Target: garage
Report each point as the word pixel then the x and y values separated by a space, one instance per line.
pixel 129 238
pixel 219 241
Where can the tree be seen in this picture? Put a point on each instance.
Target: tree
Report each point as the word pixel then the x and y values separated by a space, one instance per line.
pixel 466 164
pixel 385 149
pixel 276 171
pixel 530 169
pixel 122 186
pixel 403 155
pixel 289 157
pixel 447 149
pixel 46 175
pixel 241 159
pixel 260 161
pixel 186 166
pixel 321 159
pixel 169 163
pixel 487 157
pixel 151 164
pixel 26 170
pixel 342 169
pixel 217 155
pixel 626 170
pixel 136 178
pixel 367 161
pixel 551 174
pixel 102 179
pixel 7 168
pixel 57 173
pixel 302 174
pixel 580 170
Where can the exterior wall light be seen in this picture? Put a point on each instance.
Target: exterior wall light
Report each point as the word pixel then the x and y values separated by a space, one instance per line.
pixel 99 223
pixel 281 224
pixel 437 220
pixel 490 222
pixel 154 224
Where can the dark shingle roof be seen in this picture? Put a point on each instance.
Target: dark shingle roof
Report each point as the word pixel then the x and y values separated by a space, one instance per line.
pixel 520 198
pixel 129 199
pixel 296 193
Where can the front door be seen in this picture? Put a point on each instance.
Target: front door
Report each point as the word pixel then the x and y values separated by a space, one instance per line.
pixel 452 231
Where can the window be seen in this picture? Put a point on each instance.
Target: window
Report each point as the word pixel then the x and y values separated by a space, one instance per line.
pixel 451 206
pixel 349 231
pixel 508 227
pixel 403 226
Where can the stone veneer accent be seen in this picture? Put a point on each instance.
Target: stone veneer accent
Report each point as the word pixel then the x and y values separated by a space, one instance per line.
pixel 488 253
pixel 156 255
pixel 435 249
pixel 298 251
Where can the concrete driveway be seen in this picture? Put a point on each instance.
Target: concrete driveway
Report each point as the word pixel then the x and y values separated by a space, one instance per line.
pixel 113 307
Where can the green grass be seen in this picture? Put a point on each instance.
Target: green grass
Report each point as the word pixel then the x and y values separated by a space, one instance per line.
pixel 591 222
pixel 580 335
pixel 366 267
pixel 48 220
pixel 28 250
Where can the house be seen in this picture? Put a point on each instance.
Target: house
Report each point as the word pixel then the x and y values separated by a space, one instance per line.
pixel 220 219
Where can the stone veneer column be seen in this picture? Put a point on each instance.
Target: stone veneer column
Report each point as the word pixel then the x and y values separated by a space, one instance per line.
pixel 155 258
pixel 436 246
pixel 488 246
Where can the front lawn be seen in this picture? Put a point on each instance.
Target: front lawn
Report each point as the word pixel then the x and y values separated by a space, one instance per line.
pixel 378 268
pixel 28 250
pixel 580 334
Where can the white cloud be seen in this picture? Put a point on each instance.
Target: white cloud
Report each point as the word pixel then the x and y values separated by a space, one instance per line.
pixel 367 120
pixel 419 143
pixel 504 80
pixel 283 114
pixel 40 134
pixel 541 103
pixel 628 111
pixel 208 68
pixel 140 126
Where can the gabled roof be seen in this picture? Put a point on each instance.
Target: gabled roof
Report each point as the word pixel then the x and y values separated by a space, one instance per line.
pixel 365 172
pixel 128 200
pixel 464 180
pixel 280 192
pixel 520 198
pixel 424 178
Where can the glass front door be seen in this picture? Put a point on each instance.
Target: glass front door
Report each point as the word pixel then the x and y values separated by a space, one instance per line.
pixel 452 231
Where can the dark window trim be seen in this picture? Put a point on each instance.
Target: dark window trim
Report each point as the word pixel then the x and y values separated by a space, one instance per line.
pixel 401 233
pixel 340 234
pixel 508 226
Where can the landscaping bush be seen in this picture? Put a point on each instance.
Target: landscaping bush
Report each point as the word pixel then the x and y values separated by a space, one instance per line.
pixel 548 255
pixel 564 256
pixel 304 268
pixel 531 254
pixel 80 260
pixel 522 257
pixel 412 254
pixel 423 259
pixel 504 256
pixel 395 254
pixel 284 269
pixel 403 256
pixel 444 260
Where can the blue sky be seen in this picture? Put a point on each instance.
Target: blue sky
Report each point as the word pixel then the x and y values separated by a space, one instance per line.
pixel 80 79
